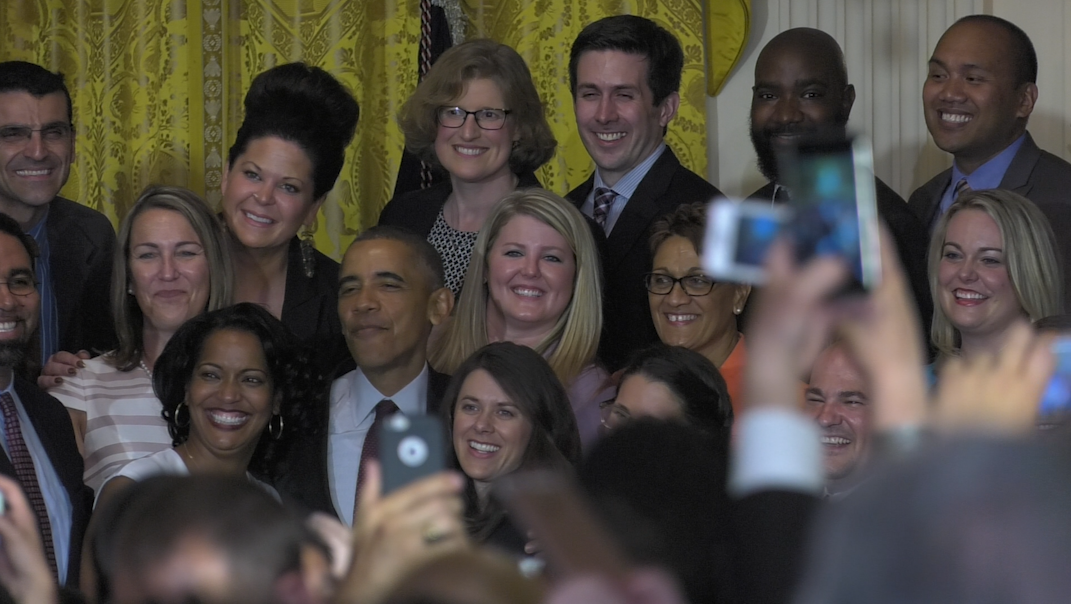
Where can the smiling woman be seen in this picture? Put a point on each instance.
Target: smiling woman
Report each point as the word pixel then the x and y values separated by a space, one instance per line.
pixel 506 412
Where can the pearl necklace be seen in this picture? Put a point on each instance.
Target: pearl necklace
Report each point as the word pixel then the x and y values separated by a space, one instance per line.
pixel 145 368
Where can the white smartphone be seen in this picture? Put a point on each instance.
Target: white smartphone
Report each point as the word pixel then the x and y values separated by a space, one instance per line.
pixel 738 236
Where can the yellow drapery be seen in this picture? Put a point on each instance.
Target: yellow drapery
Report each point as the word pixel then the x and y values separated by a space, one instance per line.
pixel 158 84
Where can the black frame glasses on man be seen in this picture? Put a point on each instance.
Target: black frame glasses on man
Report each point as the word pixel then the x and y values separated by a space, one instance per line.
pixel 486 119
pixel 20 284
pixel 693 285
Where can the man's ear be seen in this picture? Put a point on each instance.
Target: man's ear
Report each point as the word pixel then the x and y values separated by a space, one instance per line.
pixel 1028 95
pixel 440 305
pixel 848 100
pixel 668 109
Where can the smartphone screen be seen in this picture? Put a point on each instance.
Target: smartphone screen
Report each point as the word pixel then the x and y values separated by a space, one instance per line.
pixel 831 184
pixel 1057 397
pixel 755 234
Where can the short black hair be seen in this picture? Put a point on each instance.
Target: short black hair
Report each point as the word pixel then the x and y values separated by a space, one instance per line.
pixel 692 378
pixel 21 76
pixel 424 250
pixel 295 380
pixel 304 105
pixel 9 226
pixel 1026 58
pixel 638 36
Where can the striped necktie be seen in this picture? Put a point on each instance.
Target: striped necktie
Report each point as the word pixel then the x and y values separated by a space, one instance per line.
pixel 27 474
pixel 961 187
pixel 604 199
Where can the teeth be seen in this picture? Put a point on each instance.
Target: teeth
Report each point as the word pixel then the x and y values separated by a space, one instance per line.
pixel 962 295
pixel 233 418
pixel 258 219
pixel 33 172
pixel 468 151
pixel 528 293
pixel 609 136
pixel 681 318
pixel 7 326
pixel 835 440
pixel 957 118
pixel 483 447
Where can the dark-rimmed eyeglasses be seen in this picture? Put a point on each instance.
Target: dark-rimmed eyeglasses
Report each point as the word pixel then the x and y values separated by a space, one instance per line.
pixel 612 415
pixel 20 286
pixel 693 285
pixel 487 119
pixel 20 135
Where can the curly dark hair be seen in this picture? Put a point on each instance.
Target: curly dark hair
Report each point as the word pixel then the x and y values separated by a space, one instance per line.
pixel 294 377
pixel 529 382
pixel 307 106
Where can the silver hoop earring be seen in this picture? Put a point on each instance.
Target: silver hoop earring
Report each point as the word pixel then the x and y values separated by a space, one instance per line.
pixel 271 426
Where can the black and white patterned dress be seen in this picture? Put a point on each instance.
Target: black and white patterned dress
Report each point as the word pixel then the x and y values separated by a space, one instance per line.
pixel 455 248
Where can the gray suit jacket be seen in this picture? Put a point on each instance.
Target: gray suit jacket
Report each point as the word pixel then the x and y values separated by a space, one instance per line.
pixel 1038 175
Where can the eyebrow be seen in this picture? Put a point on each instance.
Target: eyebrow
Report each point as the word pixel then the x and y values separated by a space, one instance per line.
pixel 964 67
pixel 17 272
pixel 157 245
pixel 853 394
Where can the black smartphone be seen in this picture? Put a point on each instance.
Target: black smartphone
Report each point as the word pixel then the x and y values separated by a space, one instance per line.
pixel 834 202
pixel 410 448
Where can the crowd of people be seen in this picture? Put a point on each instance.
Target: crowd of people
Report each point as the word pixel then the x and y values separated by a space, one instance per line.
pixel 192 410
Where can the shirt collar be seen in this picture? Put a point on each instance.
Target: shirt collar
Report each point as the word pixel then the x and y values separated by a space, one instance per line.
pixel 626 186
pixel 355 402
pixel 37 231
pixel 991 173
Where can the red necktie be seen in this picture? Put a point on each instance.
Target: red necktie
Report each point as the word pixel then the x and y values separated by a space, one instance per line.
pixel 27 474
pixel 370 450
pixel 604 199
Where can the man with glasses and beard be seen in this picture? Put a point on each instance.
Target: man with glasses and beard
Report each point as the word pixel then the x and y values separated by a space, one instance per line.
pixel 801 88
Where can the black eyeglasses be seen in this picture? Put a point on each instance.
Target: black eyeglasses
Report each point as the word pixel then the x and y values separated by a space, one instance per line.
pixel 21 285
pixel 20 135
pixel 487 119
pixel 693 285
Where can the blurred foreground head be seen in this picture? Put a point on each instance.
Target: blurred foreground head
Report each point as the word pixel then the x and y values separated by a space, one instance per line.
pixel 970 521
pixel 211 539
pixel 469 577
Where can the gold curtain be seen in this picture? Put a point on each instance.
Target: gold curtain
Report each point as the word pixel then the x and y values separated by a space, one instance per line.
pixel 543 31
pixel 158 84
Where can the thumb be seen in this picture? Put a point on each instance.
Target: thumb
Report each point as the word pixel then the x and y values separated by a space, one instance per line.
pixel 372 487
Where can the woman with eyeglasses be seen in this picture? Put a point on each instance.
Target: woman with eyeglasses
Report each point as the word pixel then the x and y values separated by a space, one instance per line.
pixel 690 309
pixel 477 117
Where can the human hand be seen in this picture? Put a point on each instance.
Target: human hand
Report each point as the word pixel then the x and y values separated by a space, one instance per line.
pixel 24 570
pixel 997 392
pixel 60 365
pixel 790 324
pixel 883 333
pixel 338 539
pixel 394 534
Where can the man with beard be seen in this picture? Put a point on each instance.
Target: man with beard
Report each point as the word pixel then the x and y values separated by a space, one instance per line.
pixel 837 399
pixel 801 88
pixel 35 431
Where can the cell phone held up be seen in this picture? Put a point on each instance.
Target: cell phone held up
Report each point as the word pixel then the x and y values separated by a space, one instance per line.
pixel 410 448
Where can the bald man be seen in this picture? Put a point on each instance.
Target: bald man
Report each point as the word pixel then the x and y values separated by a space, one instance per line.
pixel 801 87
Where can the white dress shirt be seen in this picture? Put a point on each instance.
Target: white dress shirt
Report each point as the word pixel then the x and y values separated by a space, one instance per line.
pixel 353 403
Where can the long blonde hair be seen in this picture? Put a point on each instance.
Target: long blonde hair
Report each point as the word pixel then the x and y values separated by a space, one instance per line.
pixel 1029 255
pixel 575 337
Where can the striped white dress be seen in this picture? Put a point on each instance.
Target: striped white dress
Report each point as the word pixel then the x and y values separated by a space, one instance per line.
pixel 123 420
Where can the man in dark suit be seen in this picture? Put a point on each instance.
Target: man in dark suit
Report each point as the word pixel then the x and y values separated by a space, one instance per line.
pixel 801 87
pixel 625 73
pixel 977 99
pixel 75 242
pixel 39 449
pixel 391 294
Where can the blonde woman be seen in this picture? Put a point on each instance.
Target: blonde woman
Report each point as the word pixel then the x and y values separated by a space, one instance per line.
pixel 538 267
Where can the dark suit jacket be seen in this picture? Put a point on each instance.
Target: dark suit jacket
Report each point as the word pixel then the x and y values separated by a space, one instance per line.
pixel 303 477
pixel 627 324
pixel 769 534
pixel 1038 175
pixel 310 308
pixel 82 243
pixel 53 426
pixel 912 242
pixel 417 210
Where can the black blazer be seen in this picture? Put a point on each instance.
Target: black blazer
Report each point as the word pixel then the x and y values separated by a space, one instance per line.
pixel 53 426
pixel 417 210
pixel 82 243
pixel 310 308
pixel 303 478
pixel 627 324
pixel 1038 175
pixel 912 241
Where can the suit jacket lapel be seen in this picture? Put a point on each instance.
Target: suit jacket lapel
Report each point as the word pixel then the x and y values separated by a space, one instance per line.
pixel 1017 177
pixel 640 209
pixel 68 263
